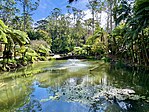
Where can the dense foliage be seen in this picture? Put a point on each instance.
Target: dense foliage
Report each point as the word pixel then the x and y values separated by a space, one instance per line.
pixel 16 48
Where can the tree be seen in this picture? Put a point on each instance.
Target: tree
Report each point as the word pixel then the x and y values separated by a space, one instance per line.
pixel 42 24
pixel 98 42
pixel 40 35
pixel 8 11
pixel 28 7
pixel 17 23
pixel 93 5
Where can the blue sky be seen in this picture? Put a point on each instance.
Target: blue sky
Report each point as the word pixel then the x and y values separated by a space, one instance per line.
pixel 46 6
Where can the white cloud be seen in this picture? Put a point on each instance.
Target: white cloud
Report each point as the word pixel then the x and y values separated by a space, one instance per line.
pixel 103 19
pixel 87 14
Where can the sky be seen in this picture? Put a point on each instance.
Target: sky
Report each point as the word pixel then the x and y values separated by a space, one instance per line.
pixel 46 6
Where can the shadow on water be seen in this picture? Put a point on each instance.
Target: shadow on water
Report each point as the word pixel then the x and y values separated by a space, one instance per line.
pixel 76 86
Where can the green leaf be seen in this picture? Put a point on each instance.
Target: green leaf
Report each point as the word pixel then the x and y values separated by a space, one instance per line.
pixel 3 37
pixel 2 25
pixel 23 49
pixel 20 37
pixel 147 8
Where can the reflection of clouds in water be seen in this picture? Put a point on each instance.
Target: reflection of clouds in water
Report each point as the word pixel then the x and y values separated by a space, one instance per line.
pixel 89 97
pixel 93 89
pixel 82 94
pixel 98 97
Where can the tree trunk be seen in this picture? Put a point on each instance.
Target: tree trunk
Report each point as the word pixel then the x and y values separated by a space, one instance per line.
pixel 111 16
pixel 24 14
pixel 93 22
pixel 108 24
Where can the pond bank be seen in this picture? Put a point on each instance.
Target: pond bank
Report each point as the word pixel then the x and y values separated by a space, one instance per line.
pixel 127 65
pixel 26 71
pixel 110 59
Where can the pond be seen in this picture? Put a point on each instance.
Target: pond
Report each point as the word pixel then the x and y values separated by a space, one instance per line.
pixel 74 86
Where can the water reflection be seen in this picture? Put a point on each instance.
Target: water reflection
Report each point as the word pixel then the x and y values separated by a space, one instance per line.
pixel 13 93
pixel 76 86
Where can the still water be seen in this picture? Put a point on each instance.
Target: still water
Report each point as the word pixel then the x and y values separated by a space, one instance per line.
pixel 74 86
